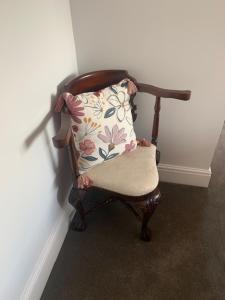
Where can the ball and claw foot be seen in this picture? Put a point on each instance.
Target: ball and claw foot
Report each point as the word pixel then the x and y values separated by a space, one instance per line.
pixel 148 209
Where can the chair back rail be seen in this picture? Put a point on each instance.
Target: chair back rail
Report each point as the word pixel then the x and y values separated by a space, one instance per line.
pixel 94 81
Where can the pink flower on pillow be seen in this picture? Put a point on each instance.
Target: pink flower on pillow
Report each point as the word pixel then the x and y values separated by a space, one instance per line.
pixel 116 137
pixel 87 146
pixel 74 107
pixel 129 147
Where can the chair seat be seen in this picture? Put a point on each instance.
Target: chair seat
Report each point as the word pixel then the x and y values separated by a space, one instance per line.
pixel 133 174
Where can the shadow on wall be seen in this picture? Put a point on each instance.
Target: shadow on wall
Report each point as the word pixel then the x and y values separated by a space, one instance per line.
pixel 60 165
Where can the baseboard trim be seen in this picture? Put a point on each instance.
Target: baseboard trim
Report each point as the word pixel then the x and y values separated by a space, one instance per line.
pixel 184 175
pixel 43 267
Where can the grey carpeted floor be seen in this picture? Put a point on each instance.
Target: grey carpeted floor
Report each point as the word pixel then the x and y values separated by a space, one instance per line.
pixel 185 260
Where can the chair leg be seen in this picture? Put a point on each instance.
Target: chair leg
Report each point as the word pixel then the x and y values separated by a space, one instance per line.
pixel 148 208
pixel 146 234
pixel 75 199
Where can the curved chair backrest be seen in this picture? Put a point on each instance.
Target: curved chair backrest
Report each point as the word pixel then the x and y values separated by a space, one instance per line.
pixel 97 80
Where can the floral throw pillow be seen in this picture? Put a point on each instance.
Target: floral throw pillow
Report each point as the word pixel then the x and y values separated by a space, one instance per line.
pixel 102 124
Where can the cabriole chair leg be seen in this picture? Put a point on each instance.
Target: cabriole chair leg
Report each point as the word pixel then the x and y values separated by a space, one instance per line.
pixel 147 210
pixel 146 234
pixel 75 199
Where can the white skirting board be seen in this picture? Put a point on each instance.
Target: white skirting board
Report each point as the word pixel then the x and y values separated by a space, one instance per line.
pixel 38 278
pixel 184 175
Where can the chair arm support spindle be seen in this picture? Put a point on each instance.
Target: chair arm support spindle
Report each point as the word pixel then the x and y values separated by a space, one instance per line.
pixel 62 137
pixel 155 128
pixel 161 93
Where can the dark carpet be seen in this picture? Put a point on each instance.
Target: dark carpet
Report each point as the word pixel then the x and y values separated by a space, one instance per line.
pixel 184 260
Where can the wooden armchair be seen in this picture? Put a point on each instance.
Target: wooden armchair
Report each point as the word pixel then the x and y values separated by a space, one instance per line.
pixel 142 194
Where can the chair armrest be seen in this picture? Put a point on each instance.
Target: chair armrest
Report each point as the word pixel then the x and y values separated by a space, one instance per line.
pixel 62 137
pixel 164 93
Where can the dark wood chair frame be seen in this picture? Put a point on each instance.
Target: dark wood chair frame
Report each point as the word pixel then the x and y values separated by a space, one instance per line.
pixel 143 206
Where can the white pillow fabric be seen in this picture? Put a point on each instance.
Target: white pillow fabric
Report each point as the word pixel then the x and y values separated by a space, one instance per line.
pixel 102 124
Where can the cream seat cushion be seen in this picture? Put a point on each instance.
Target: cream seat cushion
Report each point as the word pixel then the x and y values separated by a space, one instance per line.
pixel 133 173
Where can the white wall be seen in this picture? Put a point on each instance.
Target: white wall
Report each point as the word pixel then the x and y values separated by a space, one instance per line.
pixel 172 44
pixel 36 53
